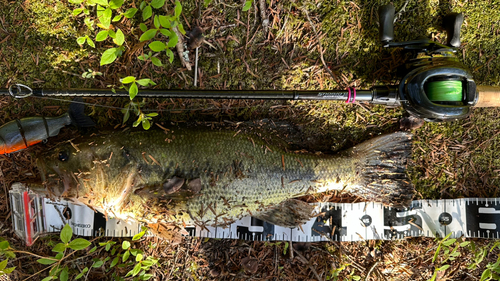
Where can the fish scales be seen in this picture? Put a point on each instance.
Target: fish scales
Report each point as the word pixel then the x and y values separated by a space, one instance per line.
pixel 214 177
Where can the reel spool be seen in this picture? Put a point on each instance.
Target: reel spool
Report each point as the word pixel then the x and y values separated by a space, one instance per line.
pixel 446 91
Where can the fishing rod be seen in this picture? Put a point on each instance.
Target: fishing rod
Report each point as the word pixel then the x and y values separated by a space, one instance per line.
pixel 434 85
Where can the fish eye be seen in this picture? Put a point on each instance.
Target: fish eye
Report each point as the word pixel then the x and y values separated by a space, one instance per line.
pixel 63 156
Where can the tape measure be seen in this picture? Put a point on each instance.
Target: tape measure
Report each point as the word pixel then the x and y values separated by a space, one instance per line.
pixel 33 215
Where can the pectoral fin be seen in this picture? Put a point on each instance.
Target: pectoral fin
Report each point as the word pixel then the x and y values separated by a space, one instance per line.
pixel 290 213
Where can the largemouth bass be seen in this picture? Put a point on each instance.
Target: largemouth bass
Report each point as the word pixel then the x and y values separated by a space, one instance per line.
pixel 187 176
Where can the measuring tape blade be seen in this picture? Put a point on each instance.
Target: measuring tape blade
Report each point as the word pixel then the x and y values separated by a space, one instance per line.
pixel 468 217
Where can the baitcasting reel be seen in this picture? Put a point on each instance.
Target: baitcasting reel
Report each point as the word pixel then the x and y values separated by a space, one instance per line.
pixel 435 86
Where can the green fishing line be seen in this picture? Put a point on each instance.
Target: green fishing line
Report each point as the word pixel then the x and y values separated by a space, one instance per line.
pixel 444 90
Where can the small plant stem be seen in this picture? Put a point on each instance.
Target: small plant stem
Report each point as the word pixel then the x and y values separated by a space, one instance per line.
pixel 196 68
pixel 23 252
pixel 370 270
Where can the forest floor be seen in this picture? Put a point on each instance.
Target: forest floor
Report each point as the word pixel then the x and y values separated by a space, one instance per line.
pixel 306 45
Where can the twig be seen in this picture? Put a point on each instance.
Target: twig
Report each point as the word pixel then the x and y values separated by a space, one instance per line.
pixel 263 15
pixel 320 47
pixel 370 270
pixel 304 260
pixel 180 48
pixel 196 67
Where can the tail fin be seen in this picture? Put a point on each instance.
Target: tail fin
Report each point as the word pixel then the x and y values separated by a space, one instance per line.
pixel 77 114
pixel 383 169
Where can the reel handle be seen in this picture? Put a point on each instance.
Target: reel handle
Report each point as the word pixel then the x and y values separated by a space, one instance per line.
pixel 386 20
pixel 488 96
pixel 452 24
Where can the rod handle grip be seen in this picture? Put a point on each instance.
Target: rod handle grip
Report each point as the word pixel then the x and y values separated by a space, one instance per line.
pixel 386 20
pixel 488 96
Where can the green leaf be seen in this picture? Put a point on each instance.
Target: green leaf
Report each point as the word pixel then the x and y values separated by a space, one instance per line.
pixel 247 6
pixel 139 256
pixel 145 83
pixel 101 36
pixel 486 274
pixel 98 264
pixel 147 263
pixel 49 278
pixel 126 116
pixel 108 56
pixel 78 11
pixel 437 253
pixel 112 33
pixel 127 80
pixel 117 18
pixel 90 42
pixel 60 247
pixel 146 276
pixel 173 40
pixel 46 261
pixel 145 125
pixel 157 46
pixel 81 40
pixel 165 21
pixel 465 243
pixel 130 13
pixel 64 275
pixel 79 244
pixel 93 250
pixel 449 242
pixel 285 248
pixel 4 245
pixel 157 3
pixel 444 267
pixel 120 37
pixel 115 4
pixel 153 114
pixel 148 35
pixel 126 254
pixel 114 262
pixel 9 270
pixel 206 2
pixel 156 61
pixel 142 5
pixel 165 32
pixel 101 2
pixel 105 18
pixel 66 233
pixel 143 27
pixel 82 273
pixel 3 264
pixel 181 29
pixel 156 22
pixel 170 55
pixel 89 23
pixel 136 270
pixel 147 13
pixel 178 9
pixel 132 92
pixel 136 123
pixel 75 1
